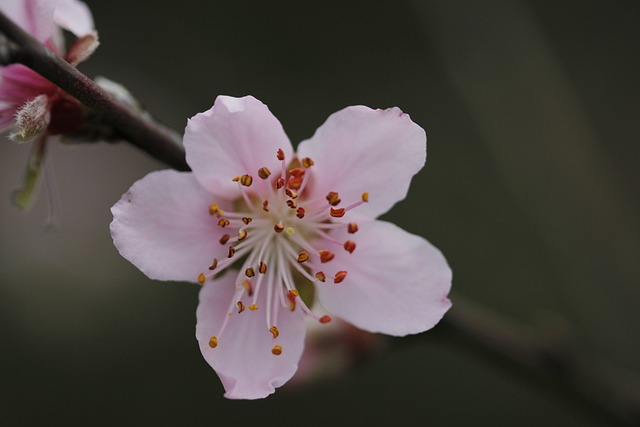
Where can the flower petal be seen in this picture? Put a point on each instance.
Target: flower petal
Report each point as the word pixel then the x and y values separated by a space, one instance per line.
pixel 243 358
pixel 397 282
pixel 163 227
pixel 74 16
pixel 361 150
pixel 236 136
pixel 33 16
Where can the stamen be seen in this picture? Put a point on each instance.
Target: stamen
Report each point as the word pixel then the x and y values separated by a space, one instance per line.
pixel 279 227
pixel 325 319
pixel 253 307
pixel 246 220
pixel 274 331
pixel 296 176
pixel 214 264
pixel 264 173
pixel 246 180
pixel 213 209
pixel 292 204
pixel 291 193
pixel 265 206
pixel 307 162
pixel 240 307
pixel 337 213
pixel 340 275
pixel 247 287
pixel 223 222
pixel 349 246
pixel 291 296
pixel 262 268
pixel 352 227
pixel 333 198
pixel 365 197
pixel 325 256
pixel 280 154
pixel 242 234
pixel 279 183
pixel 232 252
pixel 321 276
pixel 249 272
pixel 201 278
pixel 276 350
pixel 300 213
pixel 224 239
pixel 213 342
pixel 303 256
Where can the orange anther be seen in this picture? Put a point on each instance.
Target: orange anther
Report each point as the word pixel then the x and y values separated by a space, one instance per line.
pixel 201 278
pixel 232 252
pixel 340 275
pixel 240 307
pixel 247 287
pixel 279 183
pixel 265 206
pixel 274 331
pixel 295 182
pixel 224 239
pixel 349 246
pixel 236 179
pixel 253 307
pixel 300 213
pixel 333 198
pixel 336 212
pixel 213 342
pixel 264 173
pixel 365 197
pixel 292 204
pixel 325 319
pixel 279 227
pixel 246 180
pixel 246 220
pixel 214 264
pixel 352 227
pixel 276 350
pixel 325 256
pixel 262 268
pixel 223 222
pixel 303 256
pixel 321 276
pixel 296 172
pixel 291 193
pixel 242 234
pixel 291 296
pixel 249 272
pixel 307 162
pixel 280 154
pixel 213 209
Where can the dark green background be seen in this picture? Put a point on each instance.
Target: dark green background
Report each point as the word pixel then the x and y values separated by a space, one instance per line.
pixel 530 190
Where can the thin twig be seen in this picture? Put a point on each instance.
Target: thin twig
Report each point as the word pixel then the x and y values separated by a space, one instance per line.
pixel 157 140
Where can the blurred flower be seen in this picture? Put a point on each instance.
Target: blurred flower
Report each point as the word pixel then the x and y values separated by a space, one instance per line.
pixel 280 218
pixel 30 105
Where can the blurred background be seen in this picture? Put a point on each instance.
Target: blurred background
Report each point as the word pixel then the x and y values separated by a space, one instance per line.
pixel 530 190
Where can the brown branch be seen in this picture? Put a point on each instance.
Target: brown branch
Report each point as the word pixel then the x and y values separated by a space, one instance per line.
pixel 150 136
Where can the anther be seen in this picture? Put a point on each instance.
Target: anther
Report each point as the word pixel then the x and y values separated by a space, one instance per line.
pixel 214 264
pixel 274 331
pixel 352 227
pixel 307 162
pixel 340 275
pixel 246 180
pixel 291 296
pixel 276 350
pixel 223 222
pixel 295 183
pixel 303 256
pixel 262 268
pixel 232 252
pixel 264 173
pixel 247 287
pixel 242 234
pixel 240 307
pixel 236 179
pixel 249 272
pixel 320 276
pixel 336 212
pixel 265 206
pixel 224 239
pixel 365 197
pixel 253 307
pixel 325 319
pixel 201 278
pixel 279 183
pixel 349 246
pixel 300 213
pixel 246 220
pixel 213 342
pixel 279 227
pixel 333 198
pixel 213 209
pixel 325 256
pixel 289 192
pixel 292 204
pixel 280 154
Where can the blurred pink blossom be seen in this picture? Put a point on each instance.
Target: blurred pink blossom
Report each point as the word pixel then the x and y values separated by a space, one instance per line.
pixel 268 233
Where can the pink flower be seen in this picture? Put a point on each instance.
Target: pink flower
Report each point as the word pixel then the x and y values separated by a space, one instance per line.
pixel 256 225
pixel 28 102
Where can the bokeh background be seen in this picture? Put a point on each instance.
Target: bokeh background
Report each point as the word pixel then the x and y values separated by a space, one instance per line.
pixel 531 190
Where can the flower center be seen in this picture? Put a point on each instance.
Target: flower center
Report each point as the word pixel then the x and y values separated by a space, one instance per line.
pixel 277 231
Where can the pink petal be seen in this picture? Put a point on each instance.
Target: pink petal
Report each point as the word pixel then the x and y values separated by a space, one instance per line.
pixel 236 136
pixel 74 16
pixel 163 227
pixel 397 282
pixel 243 358
pixel 361 150
pixel 34 16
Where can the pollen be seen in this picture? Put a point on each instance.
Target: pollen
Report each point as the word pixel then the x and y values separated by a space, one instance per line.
pixel 340 275
pixel 201 278
pixel 325 256
pixel 352 228
pixel 303 256
pixel 240 307
pixel 224 239
pixel 264 173
pixel 337 213
pixel 333 198
pixel 274 331
pixel 262 268
pixel 249 272
pixel 290 231
pixel 349 246
pixel 276 350
pixel 213 342
pixel 253 307
pixel 246 180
